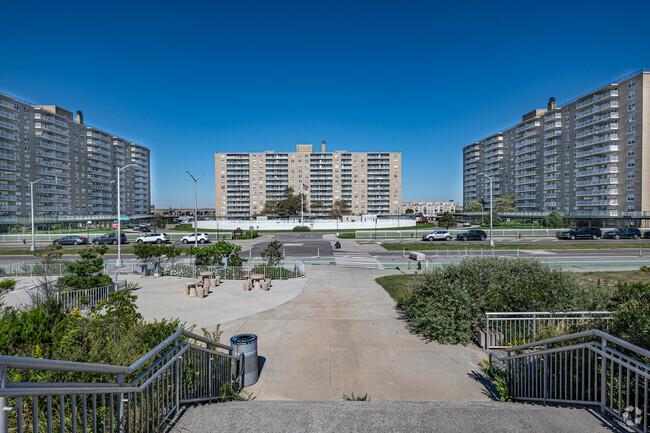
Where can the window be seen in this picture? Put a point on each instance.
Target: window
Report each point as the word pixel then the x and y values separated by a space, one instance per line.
pixel 631 95
pixel 631 117
pixel 631 141
pixel 630 129
pixel 630 107
pixel 630 152
pixel 630 197
pixel 630 175
pixel 630 187
pixel 629 209
pixel 631 84
pixel 26 110
pixel 630 163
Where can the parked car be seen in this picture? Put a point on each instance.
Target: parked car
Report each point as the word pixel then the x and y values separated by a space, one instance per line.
pixel 71 240
pixel 141 228
pixel 472 235
pixel 646 235
pixel 421 220
pixel 153 238
pixel 110 238
pixel 437 235
pixel 200 237
pixel 623 233
pixel 466 224
pixel 581 233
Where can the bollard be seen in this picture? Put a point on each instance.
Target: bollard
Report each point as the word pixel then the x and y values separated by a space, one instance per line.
pixel 318 252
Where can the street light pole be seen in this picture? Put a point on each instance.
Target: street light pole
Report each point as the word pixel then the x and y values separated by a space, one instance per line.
pixel 31 189
pixel 196 236
pixel 491 209
pixel 118 263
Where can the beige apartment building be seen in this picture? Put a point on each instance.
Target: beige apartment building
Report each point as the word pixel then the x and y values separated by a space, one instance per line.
pixel 371 183
pixel 588 156
pixel 429 207
pixel 77 165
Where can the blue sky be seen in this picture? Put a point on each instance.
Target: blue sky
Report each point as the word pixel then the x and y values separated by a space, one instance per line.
pixel 188 79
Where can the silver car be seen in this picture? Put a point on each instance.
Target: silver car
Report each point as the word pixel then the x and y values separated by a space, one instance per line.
pixel 437 235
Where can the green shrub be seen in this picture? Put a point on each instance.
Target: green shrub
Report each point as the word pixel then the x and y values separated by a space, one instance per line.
pixel 631 304
pixel 301 229
pixel 449 304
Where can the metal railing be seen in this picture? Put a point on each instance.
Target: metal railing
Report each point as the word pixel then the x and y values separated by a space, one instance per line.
pixel 502 329
pixel 589 368
pixel 282 270
pixel 81 299
pixel 143 397
pixel 501 233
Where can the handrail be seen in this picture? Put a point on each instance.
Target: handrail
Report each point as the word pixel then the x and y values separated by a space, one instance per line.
pixel 514 313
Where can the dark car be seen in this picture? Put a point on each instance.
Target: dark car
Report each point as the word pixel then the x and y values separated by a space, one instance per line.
pixel 581 233
pixel 109 238
pixel 623 233
pixel 472 235
pixel 646 235
pixel 71 240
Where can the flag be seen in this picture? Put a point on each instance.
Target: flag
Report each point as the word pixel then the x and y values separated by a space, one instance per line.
pixel 305 187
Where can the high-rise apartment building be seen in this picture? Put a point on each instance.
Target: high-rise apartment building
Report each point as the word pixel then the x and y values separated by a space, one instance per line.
pixel 588 156
pixel 429 207
pixel 371 183
pixel 76 162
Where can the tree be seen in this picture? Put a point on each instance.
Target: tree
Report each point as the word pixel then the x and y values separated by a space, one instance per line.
pixel 505 203
pixel 272 253
pixel 214 254
pixel 340 208
pixel 317 207
pixel 158 222
pixel 409 210
pixel 447 220
pixel 486 220
pixel 269 207
pixel 554 220
pixel 475 206
pixel 86 273
pixel 49 264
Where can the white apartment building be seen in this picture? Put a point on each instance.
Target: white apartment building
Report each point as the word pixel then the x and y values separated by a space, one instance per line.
pixel 429 207
pixel 370 182
pixel 588 156
pixel 77 165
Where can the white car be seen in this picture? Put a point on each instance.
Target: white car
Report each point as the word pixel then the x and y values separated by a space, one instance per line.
pixel 437 235
pixel 200 237
pixel 153 238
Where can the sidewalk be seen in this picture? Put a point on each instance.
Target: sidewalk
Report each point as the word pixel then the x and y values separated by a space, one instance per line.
pixel 343 335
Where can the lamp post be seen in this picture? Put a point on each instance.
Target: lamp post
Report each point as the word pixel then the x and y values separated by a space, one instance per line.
pixel 196 236
pixel 491 209
pixel 118 263
pixel 31 186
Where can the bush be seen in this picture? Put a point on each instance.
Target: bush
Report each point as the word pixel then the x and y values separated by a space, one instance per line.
pixel 449 303
pixel 631 304
pixel 301 229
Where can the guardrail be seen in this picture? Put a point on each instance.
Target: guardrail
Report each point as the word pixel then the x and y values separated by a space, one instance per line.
pixel 590 368
pixel 497 233
pixel 131 237
pixel 143 397
pixel 280 271
pixel 502 329
pixel 72 299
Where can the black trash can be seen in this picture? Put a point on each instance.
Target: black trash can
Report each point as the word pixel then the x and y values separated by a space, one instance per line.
pixel 337 245
pixel 246 344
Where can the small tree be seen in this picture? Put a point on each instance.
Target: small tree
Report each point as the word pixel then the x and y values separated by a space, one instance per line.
pixel 475 206
pixel 86 273
pixel 409 211
pixel 486 220
pixel 554 220
pixel 272 253
pixel 447 220
pixel 505 203
pixel 214 254
pixel 340 208
pixel 158 222
pixel 50 258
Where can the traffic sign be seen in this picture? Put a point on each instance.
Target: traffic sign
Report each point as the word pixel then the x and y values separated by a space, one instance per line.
pixel 115 226
pixel 125 219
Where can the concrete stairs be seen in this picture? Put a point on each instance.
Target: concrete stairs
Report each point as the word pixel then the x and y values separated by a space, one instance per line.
pixel 382 416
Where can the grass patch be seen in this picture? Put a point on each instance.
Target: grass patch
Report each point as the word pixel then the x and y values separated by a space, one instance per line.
pixel 397 286
pixel 347 236
pixel 478 246
pixel 612 278
pixel 66 251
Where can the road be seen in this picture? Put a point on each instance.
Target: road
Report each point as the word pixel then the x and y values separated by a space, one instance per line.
pixel 318 248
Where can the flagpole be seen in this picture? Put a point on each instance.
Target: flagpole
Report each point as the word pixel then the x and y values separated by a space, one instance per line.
pixel 302 209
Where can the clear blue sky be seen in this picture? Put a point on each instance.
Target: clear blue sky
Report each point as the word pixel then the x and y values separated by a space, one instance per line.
pixel 188 79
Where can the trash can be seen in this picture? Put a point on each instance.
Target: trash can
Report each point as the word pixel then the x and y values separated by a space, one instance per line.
pixel 246 344
pixel 144 269
pixel 337 245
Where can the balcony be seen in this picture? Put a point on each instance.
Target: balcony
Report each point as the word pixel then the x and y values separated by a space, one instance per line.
pixel 597 191
pixel 554 133
pixel 607 127
pixel 612 202
pixel 613 136
pixel 597 161
pixel 611 180
pixel 554 160
pixel 52 128
pixel 528 125
pixel 596 119
pixel 598 150
pixel 52 137
pixel 596 109
pixel 553 168
pixel 553 116
pixel 597 97
pixel 552 177
pixel 554 125
pixel 597 171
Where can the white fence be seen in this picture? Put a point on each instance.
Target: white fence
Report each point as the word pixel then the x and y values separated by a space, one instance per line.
pixel 80 299
pixel 315 224
pixel 497 233
pixel 131 237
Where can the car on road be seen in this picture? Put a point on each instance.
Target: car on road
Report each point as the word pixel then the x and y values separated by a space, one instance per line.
pixel 472 235
pixel 437 235
pixel 467 224
pixel 153 238
pixel 71 240
pixel 200 238
pixel 581 233
pixel 623 233
pixel 141 228
pixel 110 238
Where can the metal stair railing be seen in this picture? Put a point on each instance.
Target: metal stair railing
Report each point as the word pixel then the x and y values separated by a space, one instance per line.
pixel 144 397
pixel 586 368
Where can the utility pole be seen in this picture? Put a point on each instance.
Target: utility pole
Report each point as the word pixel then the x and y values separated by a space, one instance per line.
pixel 491 209
pixel 119 218
pixel 196 236
pixel 31 189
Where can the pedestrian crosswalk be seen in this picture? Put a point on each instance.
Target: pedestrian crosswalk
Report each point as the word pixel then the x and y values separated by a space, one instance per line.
pixel 355 260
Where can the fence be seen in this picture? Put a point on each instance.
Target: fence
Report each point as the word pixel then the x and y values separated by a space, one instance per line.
pixel 497 233
pixel 143 397
pixel 72 299
pixel 131 237
pixel 589 368
pixel 282 270
pixel 504 328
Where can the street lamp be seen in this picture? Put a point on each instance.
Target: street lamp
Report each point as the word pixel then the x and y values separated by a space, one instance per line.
pixel 196 236
pixel 491 209
pixel 118 263
pixel 31 186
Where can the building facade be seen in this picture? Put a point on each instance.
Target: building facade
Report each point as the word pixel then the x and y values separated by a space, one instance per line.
pixel 371 183
pixel 588 156
pixel 75 165
pixel 429 207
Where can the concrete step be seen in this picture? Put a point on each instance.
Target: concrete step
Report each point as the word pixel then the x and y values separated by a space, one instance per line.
pixel 377 417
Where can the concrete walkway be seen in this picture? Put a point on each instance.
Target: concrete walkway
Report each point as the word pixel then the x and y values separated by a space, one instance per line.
pixel 342 335
pixel 389 417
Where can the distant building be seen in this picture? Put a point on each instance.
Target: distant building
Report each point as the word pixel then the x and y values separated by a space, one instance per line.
pixel 429 207
pixel 370 182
